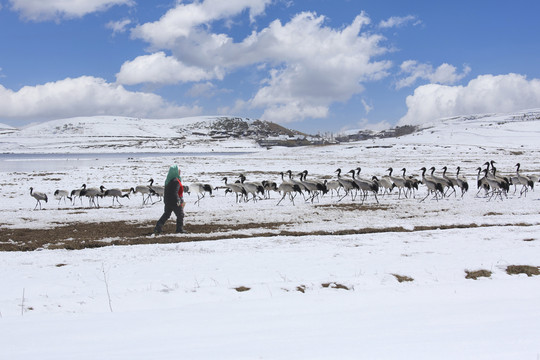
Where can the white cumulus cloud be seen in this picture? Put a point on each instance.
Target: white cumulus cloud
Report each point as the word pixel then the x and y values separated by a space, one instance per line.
pixel 42 10
pixel 84 96
pixel 484 94
pixel 162 69
pixel 445 74
pixel 320 66
pixel 305 64
pixel 183 19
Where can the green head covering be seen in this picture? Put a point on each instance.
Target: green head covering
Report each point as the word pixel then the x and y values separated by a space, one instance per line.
pixel 174 173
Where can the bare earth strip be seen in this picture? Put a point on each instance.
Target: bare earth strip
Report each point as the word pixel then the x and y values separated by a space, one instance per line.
pixel 78 236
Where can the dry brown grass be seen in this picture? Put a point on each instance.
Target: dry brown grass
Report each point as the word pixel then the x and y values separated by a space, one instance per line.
pixel 403 278
pixel 523 269
pixel 477 273
pixel 242 288
pixel 334 285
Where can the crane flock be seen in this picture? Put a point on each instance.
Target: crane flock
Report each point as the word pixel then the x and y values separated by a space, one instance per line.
pixel 488 180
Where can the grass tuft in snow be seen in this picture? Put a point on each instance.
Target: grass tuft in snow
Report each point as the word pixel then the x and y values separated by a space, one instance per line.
pixel 242 288
pixel 523 269
pixel 334 285
pixel 403 278
pixel 477 273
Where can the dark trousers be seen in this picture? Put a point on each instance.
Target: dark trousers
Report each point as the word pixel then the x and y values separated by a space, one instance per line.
pixel 169 209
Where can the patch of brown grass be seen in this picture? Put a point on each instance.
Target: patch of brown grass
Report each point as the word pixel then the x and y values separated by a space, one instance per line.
pixel 523 269
pixel 334 285
pixel 492 214
pixel 242 288
pixel 477 273
pixel 403 278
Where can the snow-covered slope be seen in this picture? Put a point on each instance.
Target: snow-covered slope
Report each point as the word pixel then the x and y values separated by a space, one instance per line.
pixel 6 129
pixel 221 133
pixel 113 133
pixel 515 129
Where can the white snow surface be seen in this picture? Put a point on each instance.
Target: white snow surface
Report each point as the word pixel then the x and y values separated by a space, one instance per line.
pixel 102 134
pixel 179 301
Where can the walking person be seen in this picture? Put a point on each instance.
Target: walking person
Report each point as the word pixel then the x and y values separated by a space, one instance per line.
pixel 174 201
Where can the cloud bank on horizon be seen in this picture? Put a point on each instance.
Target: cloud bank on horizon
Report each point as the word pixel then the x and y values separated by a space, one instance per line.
pixel 300 67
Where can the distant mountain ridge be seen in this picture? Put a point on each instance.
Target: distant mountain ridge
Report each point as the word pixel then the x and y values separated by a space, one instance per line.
pixel 230 134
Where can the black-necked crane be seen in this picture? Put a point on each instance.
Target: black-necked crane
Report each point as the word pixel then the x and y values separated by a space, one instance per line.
pixel 432 185
pixel 269 186
pixel 497 186
pixel 494 173
pixel 251 188
pixel 62 194
pixel 156 190
pixel 144 190
pixel 347 184
pixel 91 194
pixel 76 193
pixel 115 194
pixel 504 180
pixel 450 179
pixel 291 180
pixel 398 181
pixel 313 186
pixel 386 183
pixel 461 182
pixel 366 186
pixel 523 180
pixel 239 191
pixel 39 196
pixel 200 189
pixel 288 189
pixel 444 182
pixel 410 182
pixel 481 182
pixel 332 185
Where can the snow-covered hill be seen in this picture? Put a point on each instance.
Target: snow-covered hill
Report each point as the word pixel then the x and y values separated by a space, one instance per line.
pixel 6 129
pixel 114 133
pixel 515 129
pixel 225 134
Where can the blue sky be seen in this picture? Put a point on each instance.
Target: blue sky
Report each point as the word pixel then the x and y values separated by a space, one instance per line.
pixel 317 65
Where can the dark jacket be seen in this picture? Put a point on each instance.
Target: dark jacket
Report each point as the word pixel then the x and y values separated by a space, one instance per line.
pixel 174 192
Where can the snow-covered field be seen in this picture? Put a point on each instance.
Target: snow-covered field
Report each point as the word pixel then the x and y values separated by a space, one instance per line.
pixel 319 281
